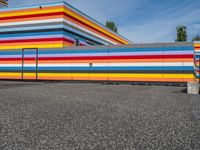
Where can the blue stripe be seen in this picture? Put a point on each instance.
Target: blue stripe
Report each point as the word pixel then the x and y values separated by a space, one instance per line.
pixel 32 28
pixel 95 68
pixel 58 51
pixel 31 34
pixel 11 52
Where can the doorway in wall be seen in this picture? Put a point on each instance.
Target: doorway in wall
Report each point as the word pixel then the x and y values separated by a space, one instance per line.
pixel 29 64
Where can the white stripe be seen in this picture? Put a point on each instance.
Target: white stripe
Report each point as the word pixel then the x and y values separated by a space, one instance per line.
pixel 10 65
pixel 31 22
pixel 101 64
pixel 144 64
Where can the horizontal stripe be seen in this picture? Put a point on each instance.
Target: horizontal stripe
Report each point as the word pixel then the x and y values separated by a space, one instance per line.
pixel 102 64
pixel 113 75
pixel 104 57
pixel 107 71
pixel 110 77
pixel 33 40
pixel 119 57
pixel 100 61
pixel 31 22
pixel 101 68
pixel 120 50
pixel 49 45
pixel 31 15
pixel 72 54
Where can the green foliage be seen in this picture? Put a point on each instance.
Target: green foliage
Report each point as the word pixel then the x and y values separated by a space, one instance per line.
pixel 196 38
pixel 181 34
pixel 111 25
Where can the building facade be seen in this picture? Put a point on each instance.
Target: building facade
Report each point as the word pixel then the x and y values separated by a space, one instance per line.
pixel 167 62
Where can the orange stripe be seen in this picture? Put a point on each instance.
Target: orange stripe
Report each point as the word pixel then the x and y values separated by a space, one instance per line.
pixel 30 9
pixel 10 77
pixel 99 78
pixel 53 78
pixel 151 79
pixel 10 62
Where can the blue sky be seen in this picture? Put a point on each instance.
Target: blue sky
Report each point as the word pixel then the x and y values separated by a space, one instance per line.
pixel 139 20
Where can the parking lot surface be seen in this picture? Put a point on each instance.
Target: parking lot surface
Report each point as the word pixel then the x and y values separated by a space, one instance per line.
pixel 84 116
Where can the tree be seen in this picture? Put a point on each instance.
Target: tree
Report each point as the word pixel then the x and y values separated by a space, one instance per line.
pixel 196 38
pixel 3 3
pixel 181 33
pixel 111 25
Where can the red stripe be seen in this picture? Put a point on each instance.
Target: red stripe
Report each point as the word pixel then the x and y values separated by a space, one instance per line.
pixel 36 40
pixel 82 44
pixel 117 57
pixel 31 40
pixel 103 57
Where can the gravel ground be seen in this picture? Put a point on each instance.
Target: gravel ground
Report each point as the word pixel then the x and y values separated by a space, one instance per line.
pixel 83 116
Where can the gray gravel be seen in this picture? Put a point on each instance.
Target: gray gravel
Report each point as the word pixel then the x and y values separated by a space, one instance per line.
pixel 75 116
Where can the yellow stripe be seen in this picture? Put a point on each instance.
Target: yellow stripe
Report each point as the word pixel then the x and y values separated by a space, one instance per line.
pixel 119 75
pixel 40 11
pixel 29 74
pixel 31 46
pixel 197 44
pixel 99 75
pixel 87 75
pixel 178 75
pixel 54 74
pixel 10 74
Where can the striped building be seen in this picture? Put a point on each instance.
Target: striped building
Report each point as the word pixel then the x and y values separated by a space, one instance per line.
pixel 53 25
pixel 197 59
pixel 36 43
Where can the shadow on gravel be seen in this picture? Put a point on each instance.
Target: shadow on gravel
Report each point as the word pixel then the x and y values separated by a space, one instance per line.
pixel 14 85
pixel 185 91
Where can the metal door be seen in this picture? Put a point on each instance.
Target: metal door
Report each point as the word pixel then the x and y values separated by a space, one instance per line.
pixel 29 64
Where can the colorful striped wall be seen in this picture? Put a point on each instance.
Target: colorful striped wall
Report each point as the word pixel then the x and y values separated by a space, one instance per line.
pixel 197 59
pixel 53 25
pixel 170 62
